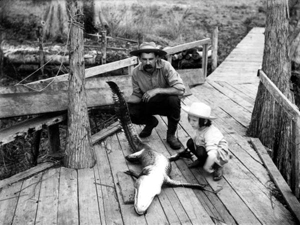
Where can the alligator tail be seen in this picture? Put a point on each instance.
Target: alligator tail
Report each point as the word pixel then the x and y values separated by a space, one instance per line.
pixel 122 112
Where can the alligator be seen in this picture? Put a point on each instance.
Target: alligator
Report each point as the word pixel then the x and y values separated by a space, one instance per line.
pixel 156 168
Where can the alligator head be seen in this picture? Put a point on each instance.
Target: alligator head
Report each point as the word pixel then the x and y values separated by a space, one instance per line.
pixel 147 186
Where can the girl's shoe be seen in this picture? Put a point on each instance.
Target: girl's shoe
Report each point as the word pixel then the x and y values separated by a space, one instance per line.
pixel 218 173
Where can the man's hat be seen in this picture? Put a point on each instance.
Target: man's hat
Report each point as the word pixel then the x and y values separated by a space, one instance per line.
pixel 148 47
pixel 199 109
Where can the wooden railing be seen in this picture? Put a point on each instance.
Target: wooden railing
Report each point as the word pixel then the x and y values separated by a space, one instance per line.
pixel 50 95
pixel 179 48
pixel 294 113
pixel 58 84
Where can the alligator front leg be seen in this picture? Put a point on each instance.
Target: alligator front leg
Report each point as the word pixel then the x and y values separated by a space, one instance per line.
pixel 135 157
pixel 184 154
pixel 175 183
pixel 132 173
pixel 146 170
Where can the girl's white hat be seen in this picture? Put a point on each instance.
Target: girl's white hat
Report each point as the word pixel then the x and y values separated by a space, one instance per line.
pixel 199 109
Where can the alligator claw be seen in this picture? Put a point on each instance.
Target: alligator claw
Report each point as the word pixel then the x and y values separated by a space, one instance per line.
pixel 131 173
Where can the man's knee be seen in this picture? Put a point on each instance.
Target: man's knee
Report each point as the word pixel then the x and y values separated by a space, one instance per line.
pixel 136 114
pixel 174 101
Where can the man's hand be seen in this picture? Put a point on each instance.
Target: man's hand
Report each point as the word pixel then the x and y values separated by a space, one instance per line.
pixel 149 94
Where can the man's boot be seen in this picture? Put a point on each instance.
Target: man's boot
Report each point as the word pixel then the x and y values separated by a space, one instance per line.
pixel 171 139
pixel 146 132
pixel 173 142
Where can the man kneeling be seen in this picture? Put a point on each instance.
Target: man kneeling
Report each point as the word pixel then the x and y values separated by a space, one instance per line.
pixel 156 90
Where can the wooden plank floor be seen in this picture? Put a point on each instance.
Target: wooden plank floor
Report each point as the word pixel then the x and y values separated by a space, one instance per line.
pixel 94 196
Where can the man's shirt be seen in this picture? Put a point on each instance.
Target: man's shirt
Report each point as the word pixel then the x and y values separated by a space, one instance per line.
pixel 164 76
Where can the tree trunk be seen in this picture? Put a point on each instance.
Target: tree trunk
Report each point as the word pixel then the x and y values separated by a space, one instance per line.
pixel 99 21
pixel 269 122
pixel 79 150
pixel 1 55
pixel 55 21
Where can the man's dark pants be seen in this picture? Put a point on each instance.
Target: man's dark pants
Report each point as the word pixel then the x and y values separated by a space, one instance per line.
pixel 165 105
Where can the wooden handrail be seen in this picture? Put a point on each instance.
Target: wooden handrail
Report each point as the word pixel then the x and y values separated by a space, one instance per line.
pixel 294 113
pixel 190 45
pixel 179 48
pixel 291 108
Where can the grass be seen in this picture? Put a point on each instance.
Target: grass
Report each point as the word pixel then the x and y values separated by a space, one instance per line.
pixel 170 25
pixel 162 25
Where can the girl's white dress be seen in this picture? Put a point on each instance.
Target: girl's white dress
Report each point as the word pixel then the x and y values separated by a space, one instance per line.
pixel 216 146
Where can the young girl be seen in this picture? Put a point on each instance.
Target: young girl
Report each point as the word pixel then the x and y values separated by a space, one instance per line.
pixel 208 145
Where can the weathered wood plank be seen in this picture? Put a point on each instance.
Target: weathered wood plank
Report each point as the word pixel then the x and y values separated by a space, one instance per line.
pixel 235 136
pixel 26 210
pixel 98 188
pixel 48 200
pixel 18 101
pixel 237 112
pixel 276 176
pixel 68 197
pixel 88 204
pixel 232 95
pixel 192 77
pixel 265 207
pixel 238 145
pixel 254 168
pixel 26 174
pixel 186 196
pixel 106 187
pixel 242 91
pixel 126 186
pixel 9 134
pixel 175 211
pixel 249 89
pixel 279 97
pixel 116 154
pixel 9 197
pixel 190 45
pixel 155 213
pixel 224 208
pixel 55 97
pixel 93 71
pixel 104 133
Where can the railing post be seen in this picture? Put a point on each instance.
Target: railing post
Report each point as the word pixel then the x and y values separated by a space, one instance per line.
pixel 140 39
pixel 169 57
pixel 40 37
pixel 36 146
pixel 103 46
pixel 1 54
pixel 54 141
pixel 214 49
pixel 130 69
pixel 204 59
pixel 296 158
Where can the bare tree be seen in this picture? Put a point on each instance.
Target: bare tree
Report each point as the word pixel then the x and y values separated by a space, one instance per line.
pixel 269 122
pixel 55 24
pixel 79 150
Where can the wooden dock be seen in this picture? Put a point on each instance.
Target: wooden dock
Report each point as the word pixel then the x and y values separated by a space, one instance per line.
pixel 99 195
